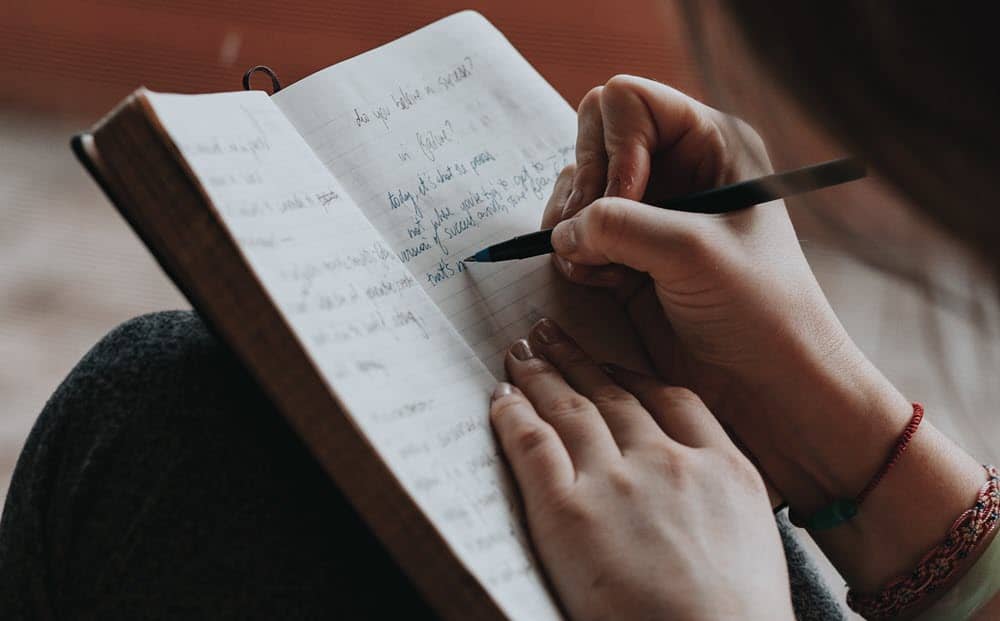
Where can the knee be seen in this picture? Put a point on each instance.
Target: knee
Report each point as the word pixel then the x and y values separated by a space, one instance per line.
pixel 158 365
pixel 156 354
pixel 163 346
pixel 127 392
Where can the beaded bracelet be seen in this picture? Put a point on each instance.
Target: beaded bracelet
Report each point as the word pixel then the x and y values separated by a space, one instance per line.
pixel 842 510
pixel 940 565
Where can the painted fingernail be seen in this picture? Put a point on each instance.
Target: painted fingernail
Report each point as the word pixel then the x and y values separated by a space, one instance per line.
pixel 502 390
pixel 564 236
pixel 548 332
pixel 610 277
pixel 565 264
pixel 521 350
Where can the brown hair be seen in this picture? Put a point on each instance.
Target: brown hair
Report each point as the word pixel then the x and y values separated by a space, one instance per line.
pixel 910 86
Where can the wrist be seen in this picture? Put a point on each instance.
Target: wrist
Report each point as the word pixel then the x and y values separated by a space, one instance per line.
pixel 828 419
pixel 831 429
pixel 907 514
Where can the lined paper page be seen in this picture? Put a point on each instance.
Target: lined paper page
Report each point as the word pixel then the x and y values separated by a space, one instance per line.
pixel 366 324
pixel 449 141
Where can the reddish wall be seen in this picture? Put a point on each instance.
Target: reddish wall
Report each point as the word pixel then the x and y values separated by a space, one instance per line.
pixel 82 56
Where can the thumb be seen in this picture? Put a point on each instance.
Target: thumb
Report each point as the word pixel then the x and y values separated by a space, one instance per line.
pixel 645 238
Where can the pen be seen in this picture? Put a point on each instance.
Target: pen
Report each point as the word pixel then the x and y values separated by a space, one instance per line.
pixel 719 200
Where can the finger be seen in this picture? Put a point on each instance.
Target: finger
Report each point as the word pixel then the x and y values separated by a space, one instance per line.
pixel 629 422
pixel 645 238
pixel 578 423
pixel 623 281
pixel 630 137
pixel 601 277
pixel 606 276
pixel 671 176
pixel 557 200
pixel 643 117
pixel 678 411
pixel 591 158
pixel 720 151
pixel 536 455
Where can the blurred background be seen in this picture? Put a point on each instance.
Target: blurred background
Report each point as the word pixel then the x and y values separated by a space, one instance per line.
pixel 70 269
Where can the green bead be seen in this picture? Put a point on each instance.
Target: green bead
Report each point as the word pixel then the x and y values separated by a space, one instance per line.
pixel 832 515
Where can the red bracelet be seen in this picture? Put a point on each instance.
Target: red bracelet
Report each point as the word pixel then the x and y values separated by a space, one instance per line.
pixel 939 566
pixel 840 511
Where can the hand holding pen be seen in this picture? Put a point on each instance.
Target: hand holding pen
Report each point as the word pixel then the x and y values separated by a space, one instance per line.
pixel 725 306
pixel 725 199
pixel 729 314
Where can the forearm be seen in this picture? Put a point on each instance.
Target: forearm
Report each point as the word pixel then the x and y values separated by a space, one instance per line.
pixel 838 422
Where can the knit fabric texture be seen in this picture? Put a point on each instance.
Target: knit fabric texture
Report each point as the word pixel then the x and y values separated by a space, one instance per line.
pixel 159 482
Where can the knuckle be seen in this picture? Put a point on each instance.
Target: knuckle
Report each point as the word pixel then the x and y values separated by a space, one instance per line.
pixel 696 243
pixel 611 397
pixel 528 439
pixel 568 355
pixel 674 465
pixel 622 483
pixel 608 220
pixel 619 82
pixel 716 159
pixel 505 405
pixel 678 397
pixel 572 513
pixel 746 131
pixel 714 135
pixel 730 145
pixel 591 100
pixel 570 405
pixel 535 367
pixel 586 158
pixel 739 466
pixel 567 172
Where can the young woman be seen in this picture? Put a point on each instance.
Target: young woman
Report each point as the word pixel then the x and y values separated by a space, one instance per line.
pixel 742 337
pixel 640 468
pixel 158 482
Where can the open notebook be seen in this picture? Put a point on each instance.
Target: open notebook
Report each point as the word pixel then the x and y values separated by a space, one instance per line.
pixel 319 231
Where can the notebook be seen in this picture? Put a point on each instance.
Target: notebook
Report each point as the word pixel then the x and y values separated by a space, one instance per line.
pixel 319 232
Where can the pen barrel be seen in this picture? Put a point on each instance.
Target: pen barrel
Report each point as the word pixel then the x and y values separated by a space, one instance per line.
pixel 744 194
pixel 523 246
pixel 725 199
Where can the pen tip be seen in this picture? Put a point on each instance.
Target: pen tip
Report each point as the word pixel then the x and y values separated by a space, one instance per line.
pixel 471 259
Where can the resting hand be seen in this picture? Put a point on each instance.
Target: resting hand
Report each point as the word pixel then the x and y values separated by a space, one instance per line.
pixel 639 505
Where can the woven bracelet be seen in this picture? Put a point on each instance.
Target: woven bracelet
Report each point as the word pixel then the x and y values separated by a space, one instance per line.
pixel 939 566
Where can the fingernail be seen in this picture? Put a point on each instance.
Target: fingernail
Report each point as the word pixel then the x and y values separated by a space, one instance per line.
pixel 502 390
pixel 564 236
pixel 521 350
pixel 570 207
pixel 607 277
pixel 609 367
pixel 565 264
pixel 548 332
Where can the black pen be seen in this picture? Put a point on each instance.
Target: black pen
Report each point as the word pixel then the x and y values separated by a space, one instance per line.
pixel 715 201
